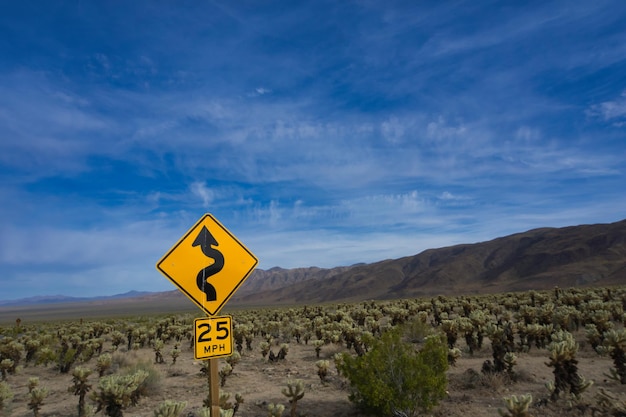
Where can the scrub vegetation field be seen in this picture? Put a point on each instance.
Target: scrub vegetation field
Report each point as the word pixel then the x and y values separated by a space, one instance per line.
pixel 538 353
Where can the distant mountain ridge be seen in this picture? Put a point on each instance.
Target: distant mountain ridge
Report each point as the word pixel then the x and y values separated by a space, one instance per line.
pixel 586 255
pixel 575 256
pixel 58 299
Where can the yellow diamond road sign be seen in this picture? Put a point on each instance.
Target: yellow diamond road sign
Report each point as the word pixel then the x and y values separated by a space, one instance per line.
pixel 208 264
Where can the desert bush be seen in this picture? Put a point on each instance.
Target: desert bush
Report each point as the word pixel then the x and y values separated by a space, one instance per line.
pixel 150 385
pixel 394 375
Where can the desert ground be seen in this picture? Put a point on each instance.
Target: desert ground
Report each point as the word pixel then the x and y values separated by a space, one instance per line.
pixel 470 393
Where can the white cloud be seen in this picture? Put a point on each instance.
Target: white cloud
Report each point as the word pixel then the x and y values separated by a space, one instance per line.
pixel 612 110
pixel 199 189
pixel 262 90
pixel 441 130
pixel 528 134
pixel 393 130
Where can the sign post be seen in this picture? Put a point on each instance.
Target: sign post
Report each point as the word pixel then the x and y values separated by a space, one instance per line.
pixel 208 264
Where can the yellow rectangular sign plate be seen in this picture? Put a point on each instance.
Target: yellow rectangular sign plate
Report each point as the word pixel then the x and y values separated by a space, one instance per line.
pixel 213 337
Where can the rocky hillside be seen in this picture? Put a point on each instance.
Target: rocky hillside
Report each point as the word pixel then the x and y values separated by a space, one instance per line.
pixel 587 255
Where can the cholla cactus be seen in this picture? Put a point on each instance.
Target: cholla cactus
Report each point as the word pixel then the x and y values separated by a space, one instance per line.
pixel 33 382
pixel 206 412
pixel 31 346
pixel 499 346
pixel 5 367
pixel 80 387
pixel 157 346
pixel 233 359
pixel 593 336
pixel 282 353
pixel 226 371
pixel 318 347
pixel 6 396
pixel 275 410
pixel 116 392
pixel 615 344
pixel 338 360
pixel 451 329
pixel 175 353
pixel 517 406
pixel 227 408
pixel 36 397
pixel 453 355
pixel 510 360
pixel 295 392
pixel 265 348
pixel 170 408
pixel 563 351
pixel 13 350
pixel 103 363
pixel 322 369
pixel 45 356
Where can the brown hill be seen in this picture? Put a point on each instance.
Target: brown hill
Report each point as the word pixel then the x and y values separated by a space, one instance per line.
pixel 587 255
pixel 275 278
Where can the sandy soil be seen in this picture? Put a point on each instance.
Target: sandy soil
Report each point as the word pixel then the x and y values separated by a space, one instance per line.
pixel 471 394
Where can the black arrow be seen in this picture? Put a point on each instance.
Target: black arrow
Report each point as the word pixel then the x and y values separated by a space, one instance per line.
pixel 206 240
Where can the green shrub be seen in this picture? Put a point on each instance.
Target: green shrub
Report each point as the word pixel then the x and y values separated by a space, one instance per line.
pixel 396 376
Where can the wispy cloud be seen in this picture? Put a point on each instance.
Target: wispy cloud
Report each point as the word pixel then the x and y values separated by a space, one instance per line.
pixel 613 111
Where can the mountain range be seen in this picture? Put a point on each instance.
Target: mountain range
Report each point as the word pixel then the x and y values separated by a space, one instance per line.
pixel 538 259
pixel 62 299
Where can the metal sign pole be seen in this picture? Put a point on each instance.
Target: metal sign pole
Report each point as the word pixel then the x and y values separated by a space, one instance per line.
pixel 214 387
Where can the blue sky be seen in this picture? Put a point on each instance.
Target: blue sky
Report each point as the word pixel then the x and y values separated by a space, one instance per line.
pixel 320 133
